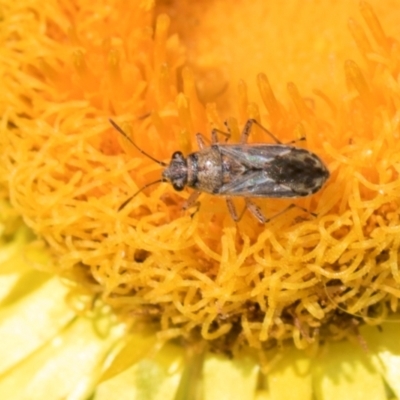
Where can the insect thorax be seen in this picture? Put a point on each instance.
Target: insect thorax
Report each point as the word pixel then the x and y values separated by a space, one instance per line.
pixel 205 170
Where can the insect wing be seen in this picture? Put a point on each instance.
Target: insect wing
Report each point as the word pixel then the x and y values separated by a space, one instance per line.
pixel 272 171
pixel 255 156
pixel 256 184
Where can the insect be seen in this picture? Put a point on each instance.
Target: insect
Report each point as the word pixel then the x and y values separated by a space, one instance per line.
pixel 242 170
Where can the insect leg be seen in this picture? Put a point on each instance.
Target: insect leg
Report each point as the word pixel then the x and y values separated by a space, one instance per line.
pixel 200 139
pixel 249 206
pixel 296 140
pixel 255 210
pixel 247 129
pixel 289 207
pixel 191 201
pixel 214 137
pixel 232 209
pixel 303 209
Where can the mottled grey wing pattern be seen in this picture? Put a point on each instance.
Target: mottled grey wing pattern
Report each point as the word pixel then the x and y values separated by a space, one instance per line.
pixel 255 181
pixel 254 155
pixel 271 171
pixel 256 184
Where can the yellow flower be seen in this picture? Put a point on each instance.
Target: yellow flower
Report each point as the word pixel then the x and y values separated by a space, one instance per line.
pixel 242 289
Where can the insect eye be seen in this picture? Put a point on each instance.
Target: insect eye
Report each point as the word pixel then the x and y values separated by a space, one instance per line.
pixel 177 155
pixel 178 186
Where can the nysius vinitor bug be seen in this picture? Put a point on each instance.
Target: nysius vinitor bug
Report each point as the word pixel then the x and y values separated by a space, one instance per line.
pixel 242 170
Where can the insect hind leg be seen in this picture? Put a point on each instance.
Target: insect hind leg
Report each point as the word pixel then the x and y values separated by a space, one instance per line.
pixel 214 135
pixel 256 211
pixel 296 140
pixel 289 207
pixel 247 129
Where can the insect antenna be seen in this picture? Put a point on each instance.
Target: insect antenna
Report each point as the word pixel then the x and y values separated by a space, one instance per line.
pixel 129 199
pixel 119 129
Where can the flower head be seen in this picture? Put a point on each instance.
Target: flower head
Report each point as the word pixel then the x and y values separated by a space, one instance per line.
pixel 195 275
pixel 199 275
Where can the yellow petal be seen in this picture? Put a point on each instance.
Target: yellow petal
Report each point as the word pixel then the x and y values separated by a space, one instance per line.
pixel 292 371
pixel 384 345
pixel 345 372
pixel 137 346
pixel 230 379
pixel 29 323
pixel 66 367
pixel 155 378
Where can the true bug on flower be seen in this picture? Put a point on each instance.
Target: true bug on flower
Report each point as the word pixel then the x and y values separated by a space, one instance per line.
pixel 242 170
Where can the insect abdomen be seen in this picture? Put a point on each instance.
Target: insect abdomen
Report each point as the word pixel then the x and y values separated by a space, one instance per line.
pixel 300 170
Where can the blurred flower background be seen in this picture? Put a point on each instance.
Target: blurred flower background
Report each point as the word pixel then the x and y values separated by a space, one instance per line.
pixel 150 302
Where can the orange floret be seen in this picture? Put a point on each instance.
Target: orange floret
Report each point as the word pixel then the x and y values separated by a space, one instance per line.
pixel 199 274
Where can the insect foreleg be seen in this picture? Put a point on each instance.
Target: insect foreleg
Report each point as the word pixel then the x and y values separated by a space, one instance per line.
pixel 201 141
pixel 191 201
